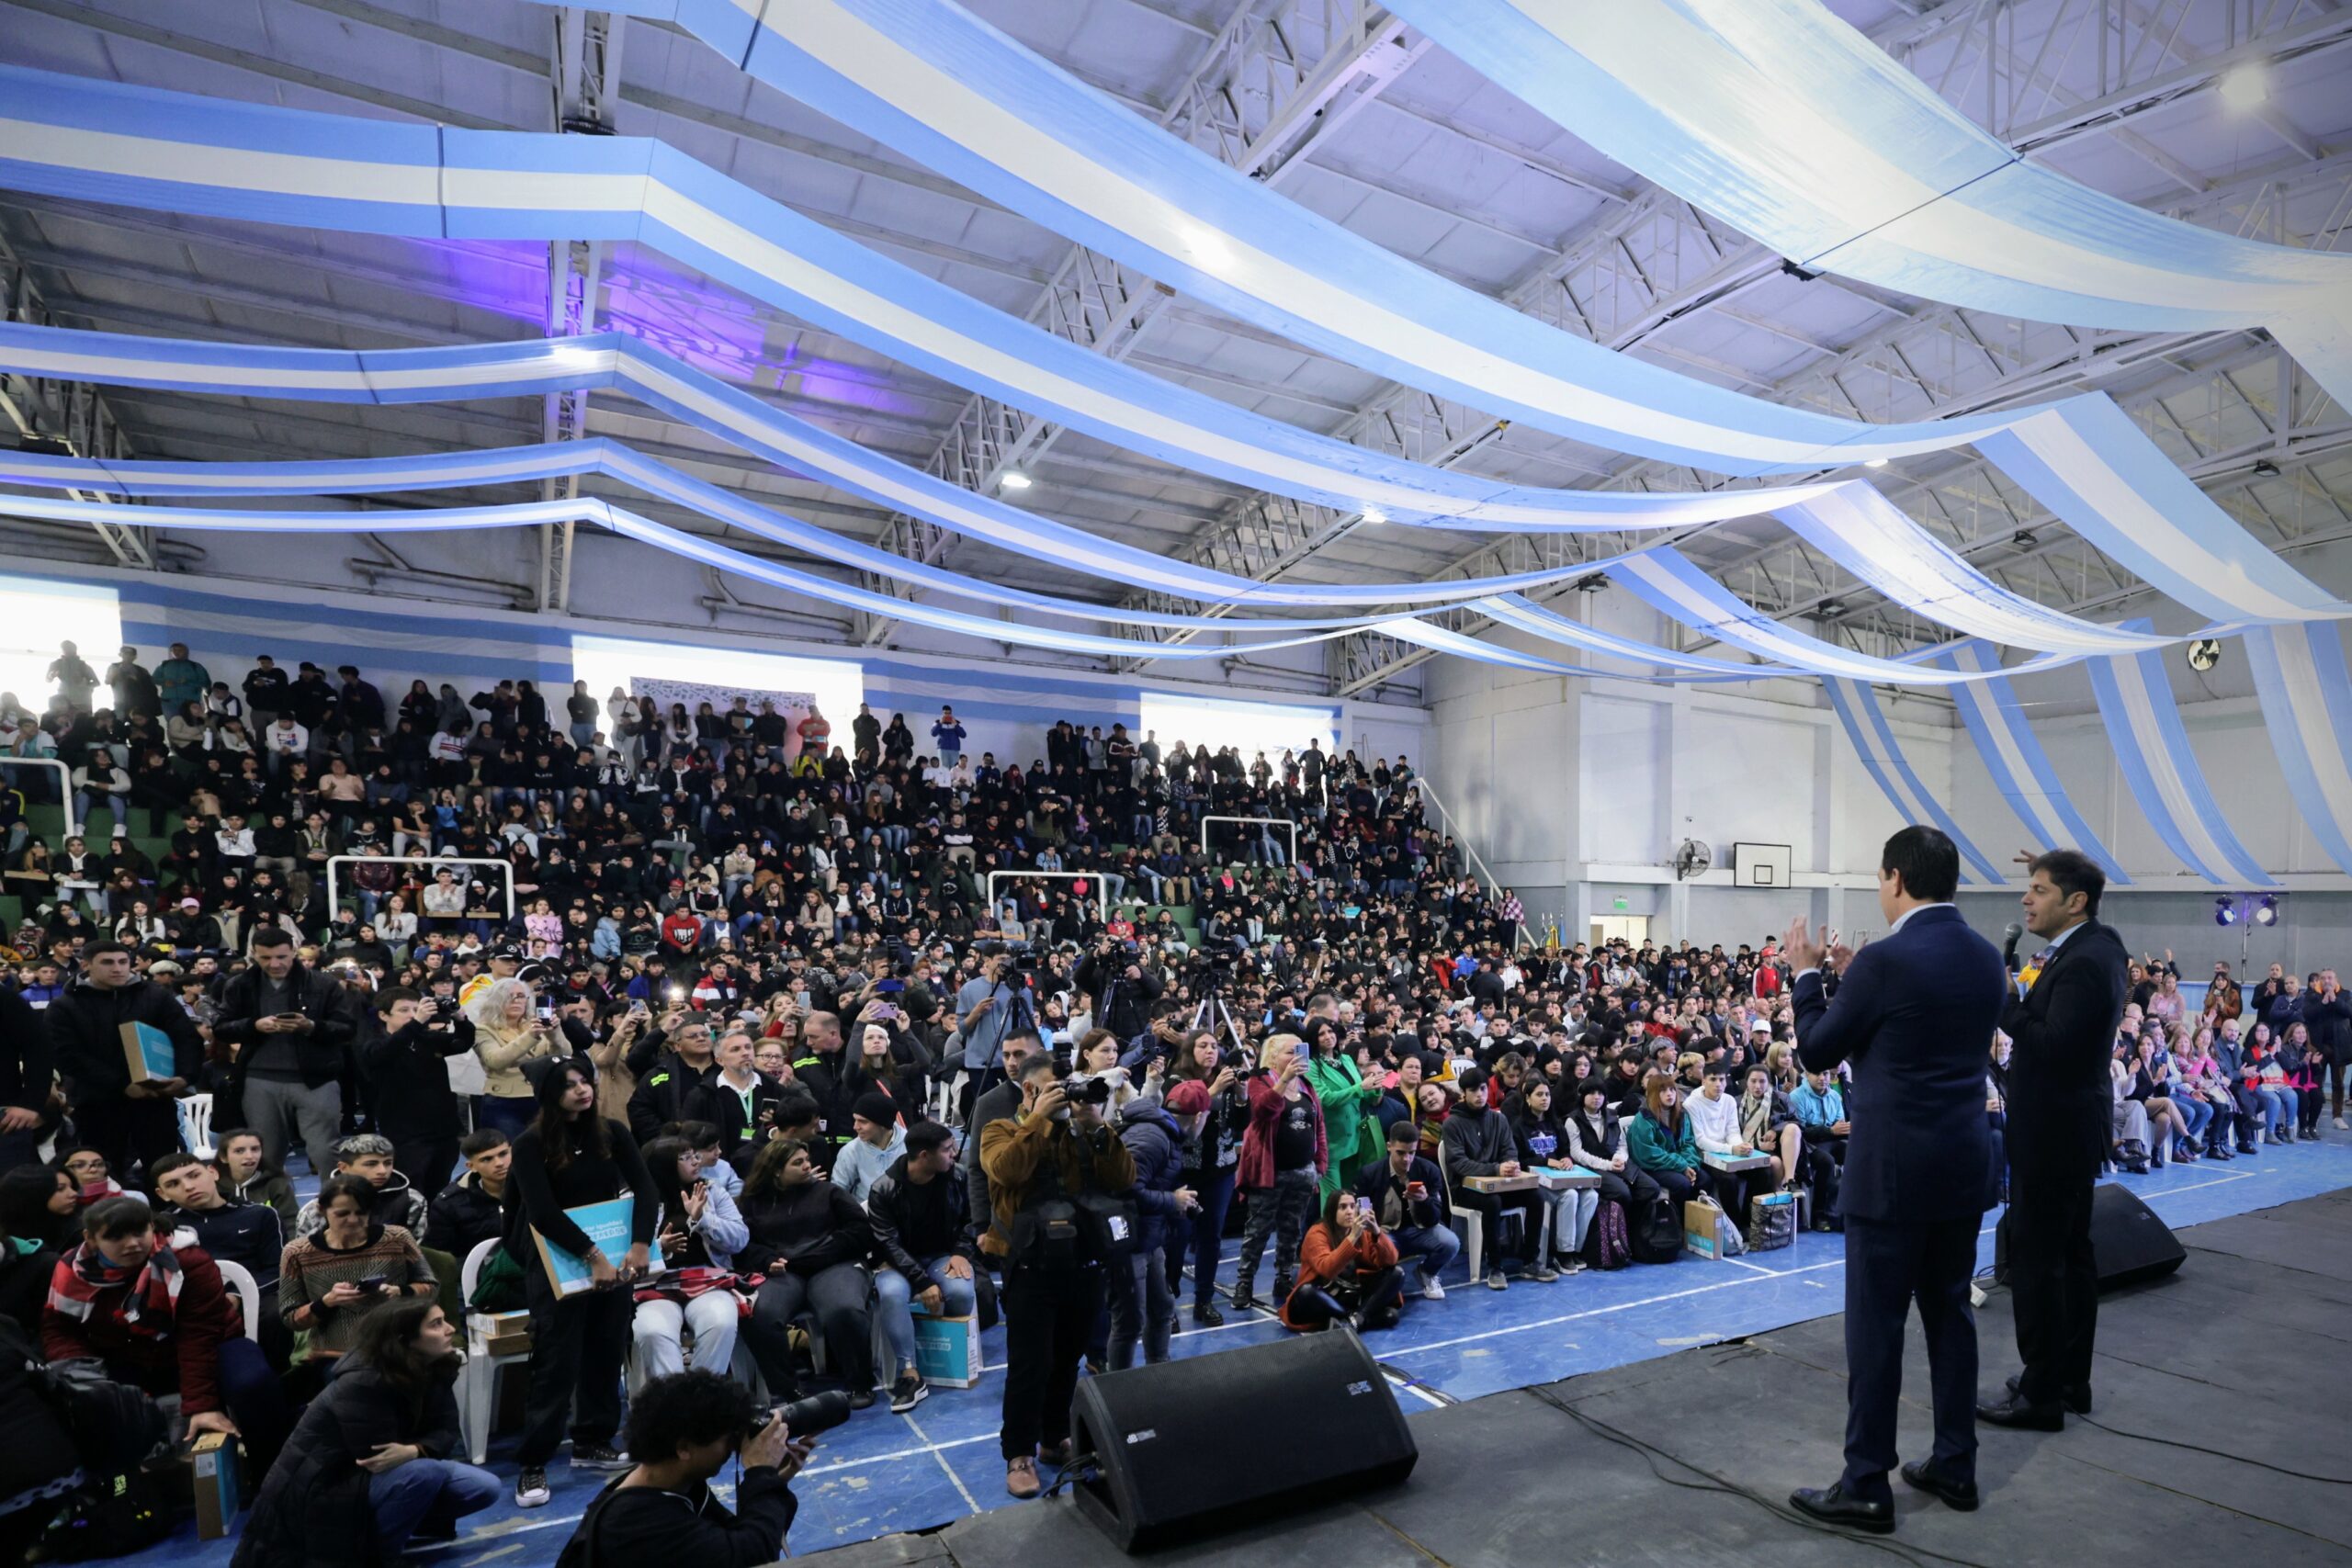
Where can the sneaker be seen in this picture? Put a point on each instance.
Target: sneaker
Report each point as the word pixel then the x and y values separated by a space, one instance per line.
pixel 907 1392
pixel 1572 1265
pixel 860 1399
pixel 1542 1273
pixel 1207 1315
pixel 2341 1126
pixel 531 1489
pixel 1495 1282
pixel 1021 1477
pixel 1431 1290
pixel 597 1456
pixel 1243 1300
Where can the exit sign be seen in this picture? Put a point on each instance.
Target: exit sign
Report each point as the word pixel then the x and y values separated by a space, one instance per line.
pixel 1623 903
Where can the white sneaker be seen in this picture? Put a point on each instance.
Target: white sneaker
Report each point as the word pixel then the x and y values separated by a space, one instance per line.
pixel 1432 1291
pixel 2340 1126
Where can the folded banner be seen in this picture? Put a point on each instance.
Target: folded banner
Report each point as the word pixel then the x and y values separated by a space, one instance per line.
pixel 1784 120
pixel 2306 693
pixel 1856 704
pixel 2014 756
pixel 2152 748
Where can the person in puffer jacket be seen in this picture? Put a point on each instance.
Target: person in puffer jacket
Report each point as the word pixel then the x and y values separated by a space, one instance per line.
pixel 1142 1305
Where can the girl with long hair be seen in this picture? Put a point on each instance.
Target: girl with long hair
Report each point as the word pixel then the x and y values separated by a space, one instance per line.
pixel 1348 1272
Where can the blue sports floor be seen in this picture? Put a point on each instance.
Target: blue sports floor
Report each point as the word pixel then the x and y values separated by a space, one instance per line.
pixel 884 1472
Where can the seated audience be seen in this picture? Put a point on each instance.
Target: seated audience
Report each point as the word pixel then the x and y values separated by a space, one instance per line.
pixel 923 1235
pixel 808 1249
pixel 1348 1273
pixel 698 1231
pixel 352 1264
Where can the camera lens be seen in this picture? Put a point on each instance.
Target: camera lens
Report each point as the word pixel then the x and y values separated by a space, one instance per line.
pixel 818 1412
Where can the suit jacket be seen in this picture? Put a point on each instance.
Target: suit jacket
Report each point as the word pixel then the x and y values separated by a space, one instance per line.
pixel 2061 1099
pixel 1915 1013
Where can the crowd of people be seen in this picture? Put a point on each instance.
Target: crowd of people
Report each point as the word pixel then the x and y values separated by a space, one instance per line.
pixel 759 988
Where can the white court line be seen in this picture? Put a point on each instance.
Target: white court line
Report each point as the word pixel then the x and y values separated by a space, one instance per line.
pixel 961 1490
pixel 2196 1186
pixel 1752 1268
pixel 899 1453
pixel 1619 1306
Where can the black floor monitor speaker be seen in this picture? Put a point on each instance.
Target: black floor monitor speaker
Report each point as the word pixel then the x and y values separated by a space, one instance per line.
pixel 2128 1243
pixel 1191 1447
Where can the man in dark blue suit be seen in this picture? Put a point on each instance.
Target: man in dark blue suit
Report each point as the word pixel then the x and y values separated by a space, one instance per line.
pixel 1913 1012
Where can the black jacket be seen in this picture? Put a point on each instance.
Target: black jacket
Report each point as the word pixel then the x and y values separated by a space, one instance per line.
pixel 1915 1013
pixel 321 1053
pixel 664 1093
pixel 28 1063
pixel 913 1220
pixel 2061 1111
pixel 630 1525
pixel 464 1216
pixel 86 1032
pixel 812 1226
pixel 312 1510
pixel 714 1101
pixel 1373 1182
pixel 247 1234
pixel 408 1076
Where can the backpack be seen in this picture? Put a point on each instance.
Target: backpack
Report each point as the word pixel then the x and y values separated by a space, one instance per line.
pixel 1657 1236
pixel 1605 1246
pixel 111 1516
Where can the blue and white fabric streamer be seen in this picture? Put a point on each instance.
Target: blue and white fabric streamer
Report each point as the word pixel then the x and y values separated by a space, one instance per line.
pixel 2152 748
pixel 2306 693
pixel 1857 707
pixel 60 136
pixel 2013 755
pixel 1779 118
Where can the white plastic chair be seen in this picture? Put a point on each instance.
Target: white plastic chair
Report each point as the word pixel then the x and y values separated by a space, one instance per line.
pixel 196 1124
pixel 477 1380
pixel 240 1279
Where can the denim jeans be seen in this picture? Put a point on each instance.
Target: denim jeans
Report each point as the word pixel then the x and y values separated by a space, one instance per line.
pixel 1431 1248
pixel 437 1491
pixel 1142 1307
pixel 895 1298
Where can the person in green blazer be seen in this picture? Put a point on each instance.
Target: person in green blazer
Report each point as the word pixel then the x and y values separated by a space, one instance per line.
pixel 1348 1121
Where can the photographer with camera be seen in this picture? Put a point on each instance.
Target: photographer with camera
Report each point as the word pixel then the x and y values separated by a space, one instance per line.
pixel 405 1042
pixel 985 1010
pixel 1122 988
pixel 1053 1169
pixel 683 1429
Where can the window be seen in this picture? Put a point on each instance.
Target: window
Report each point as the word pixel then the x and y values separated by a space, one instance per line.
pixel 837 684
pixel 1250 727
pixel 36 615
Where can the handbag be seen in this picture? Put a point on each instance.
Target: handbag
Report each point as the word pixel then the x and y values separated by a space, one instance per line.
pixel 1772 1222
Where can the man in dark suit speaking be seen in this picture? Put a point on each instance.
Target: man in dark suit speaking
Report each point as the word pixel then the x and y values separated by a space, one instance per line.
pixel 2061 1112
pixel 1913 1013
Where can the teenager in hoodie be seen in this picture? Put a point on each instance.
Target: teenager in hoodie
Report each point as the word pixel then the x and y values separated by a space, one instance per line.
pixel 1142 1304
pixel 368 1157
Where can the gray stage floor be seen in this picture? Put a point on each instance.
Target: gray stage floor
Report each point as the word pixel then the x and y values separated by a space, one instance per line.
pixel 2241 1352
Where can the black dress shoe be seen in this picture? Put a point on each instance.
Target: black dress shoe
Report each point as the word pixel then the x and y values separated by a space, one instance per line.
pixel 2015 1411
pixel 1831 1505
pixel 1960 1494
pixel 2077 1399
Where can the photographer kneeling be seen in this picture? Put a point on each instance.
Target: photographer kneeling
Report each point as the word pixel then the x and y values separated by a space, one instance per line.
pixel 1052 1168
pixel 683 1429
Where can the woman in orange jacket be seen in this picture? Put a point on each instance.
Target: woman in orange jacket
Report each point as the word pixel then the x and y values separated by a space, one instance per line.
pixel 1348 1272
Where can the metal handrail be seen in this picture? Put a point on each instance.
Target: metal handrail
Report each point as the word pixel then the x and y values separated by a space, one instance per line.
pixel 1270 821
pixel 1477 862
pixel 65 784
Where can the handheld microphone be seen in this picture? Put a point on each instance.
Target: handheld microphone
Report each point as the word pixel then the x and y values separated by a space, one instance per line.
pixel 2009 947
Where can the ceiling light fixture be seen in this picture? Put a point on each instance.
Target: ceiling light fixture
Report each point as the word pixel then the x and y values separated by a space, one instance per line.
pixel 1373 515
pixel 1014 479
pixel 2247 88
pixel 1873 462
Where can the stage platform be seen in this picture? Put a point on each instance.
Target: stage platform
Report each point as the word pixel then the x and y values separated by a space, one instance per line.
pixel 1687 1459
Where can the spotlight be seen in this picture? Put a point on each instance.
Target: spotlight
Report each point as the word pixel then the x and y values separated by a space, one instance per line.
pixel 2264 468
pixel 1014 479
pixel 2266 912
pixel 2225 913
pixel 1873 462
pixel 1373 515
pixel 2246 88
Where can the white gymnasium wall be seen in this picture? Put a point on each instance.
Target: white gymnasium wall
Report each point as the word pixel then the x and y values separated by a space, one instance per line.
pixel 1579 790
